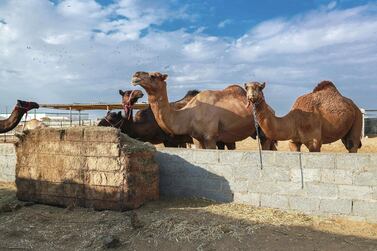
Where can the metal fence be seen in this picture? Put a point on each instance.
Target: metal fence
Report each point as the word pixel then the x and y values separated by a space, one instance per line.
pixel 370 123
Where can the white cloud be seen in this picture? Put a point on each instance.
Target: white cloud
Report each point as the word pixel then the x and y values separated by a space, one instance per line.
pixel 224 23
pixel 79 51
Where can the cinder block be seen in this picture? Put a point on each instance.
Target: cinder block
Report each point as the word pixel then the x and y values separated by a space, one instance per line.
pixel 304 204
pixel 352 162
pixel 309 175
pixel 318 160
pixel 7 149
pixel 224 170
pixel 368 178
pixel 271 173
pixel 321 190
pixel 287 159
pixel 206 156
pixel 355 192
pixel 335 176
pixel 267 187
pixel 365 208
pixel 338 206
pixel 239 185
pixel 234 157
pixel 247 198
pixel 372 163
pixel 175 154
pixel 274 201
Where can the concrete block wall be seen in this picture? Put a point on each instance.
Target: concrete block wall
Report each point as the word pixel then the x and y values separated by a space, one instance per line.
pixel 7 162
pixel 340 184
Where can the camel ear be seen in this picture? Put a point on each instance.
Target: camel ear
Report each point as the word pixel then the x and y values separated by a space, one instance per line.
pixel 121 93
pixel 263 85
pixel 245 86
pixel 164 77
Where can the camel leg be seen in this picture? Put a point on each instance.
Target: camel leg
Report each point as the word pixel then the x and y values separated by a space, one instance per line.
pixel 210 144
pixel 268 144
pixel 314 145
pixel 295 146
pixel 220 145
pixel 231 146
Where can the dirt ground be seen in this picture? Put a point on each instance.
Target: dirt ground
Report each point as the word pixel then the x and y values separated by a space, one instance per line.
pixel 369 145
pixel 174 225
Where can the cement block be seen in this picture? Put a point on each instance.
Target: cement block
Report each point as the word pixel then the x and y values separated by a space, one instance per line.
pixel 355 192
pixel 206 156
pixel 309 175
pixel 372 163
pixel 318 160
pixel 365 208
pixel 271 173
pixel 252 199
pixel 304 204
pixel 234 157
pixel 224 170
pixel 239 185
pixel 274 201
pixel 368 178
pixel 266 187
pixel 7 149
pixel 320 190
pixel 287 159
pixel 352 162
pixel 335 176
pixel 337 206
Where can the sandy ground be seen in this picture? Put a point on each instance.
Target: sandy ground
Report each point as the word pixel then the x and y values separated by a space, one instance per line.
pixel 174 225
pixel 369 145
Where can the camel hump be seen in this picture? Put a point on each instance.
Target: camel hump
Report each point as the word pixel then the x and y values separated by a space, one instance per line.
pixel 236 89
pixel 192 93
pixel 325 85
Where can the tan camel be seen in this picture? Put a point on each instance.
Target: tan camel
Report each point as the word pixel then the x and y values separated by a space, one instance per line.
pixel 320 117
pixel 30 125
pixel 209 117
pixel 18 112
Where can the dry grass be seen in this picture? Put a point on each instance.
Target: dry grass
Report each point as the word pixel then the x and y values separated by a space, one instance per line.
pixel 193 224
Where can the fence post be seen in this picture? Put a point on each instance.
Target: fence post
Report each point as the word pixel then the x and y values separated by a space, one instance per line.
pixel 363 124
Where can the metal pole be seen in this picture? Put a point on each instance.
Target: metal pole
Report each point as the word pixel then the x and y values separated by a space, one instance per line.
pixel 70 116
pixel 6 116
pixel 79 117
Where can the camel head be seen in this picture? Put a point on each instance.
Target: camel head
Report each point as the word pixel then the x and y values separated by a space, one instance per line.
pixel 130 97
pixel 254 91
pixel 152 82
pixel 26 105
pixel 112 119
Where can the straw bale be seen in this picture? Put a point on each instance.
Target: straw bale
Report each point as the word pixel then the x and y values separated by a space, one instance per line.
pixel 92 167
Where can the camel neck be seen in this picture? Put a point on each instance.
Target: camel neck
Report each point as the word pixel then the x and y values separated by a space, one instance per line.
pixel 275 128
pixel 10 123
pixel 167 117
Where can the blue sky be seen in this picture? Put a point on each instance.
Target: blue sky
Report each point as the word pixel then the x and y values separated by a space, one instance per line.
pixel 85 50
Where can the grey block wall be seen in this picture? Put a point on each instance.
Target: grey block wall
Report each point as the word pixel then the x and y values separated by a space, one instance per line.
pixel 7 162
pixel 341 184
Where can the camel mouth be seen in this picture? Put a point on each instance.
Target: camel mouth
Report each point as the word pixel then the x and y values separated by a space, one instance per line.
pixel 135 81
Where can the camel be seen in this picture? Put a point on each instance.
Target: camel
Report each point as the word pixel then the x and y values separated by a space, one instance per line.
pixel 209 117
pixel 144 126
pixel 18 112
pixel 31 125
pixel 320 117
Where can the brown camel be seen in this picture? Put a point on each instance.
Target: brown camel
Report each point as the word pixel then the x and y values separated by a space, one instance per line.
pixel 18 112
pixel 144 126
pixel 210 117
pixel 320 117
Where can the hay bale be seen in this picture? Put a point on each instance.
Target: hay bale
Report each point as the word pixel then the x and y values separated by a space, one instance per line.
pixel 96 167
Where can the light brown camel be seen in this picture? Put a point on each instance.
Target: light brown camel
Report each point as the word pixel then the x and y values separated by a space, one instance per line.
pixel 209 117
pixel 31 125
pixel 320 117
pixel 18 112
